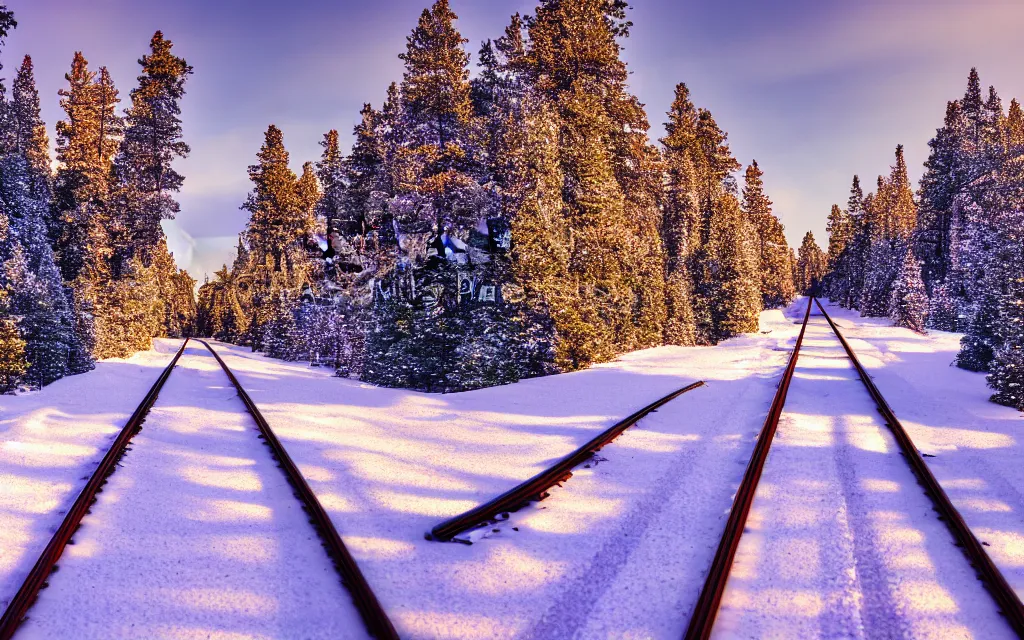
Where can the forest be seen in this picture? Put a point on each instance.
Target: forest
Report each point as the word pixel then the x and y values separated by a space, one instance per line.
pixel 86 273
pixel 491 222
pixel 508 223
pixel 949 257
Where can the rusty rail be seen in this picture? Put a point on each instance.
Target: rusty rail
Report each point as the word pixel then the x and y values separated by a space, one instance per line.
pixel 535 488
pixel 18 607
pixel 703 618
pixel 373 614
pixel 997 586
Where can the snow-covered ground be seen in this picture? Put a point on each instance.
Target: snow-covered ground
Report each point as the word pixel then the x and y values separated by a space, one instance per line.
pixel 841 540
pixel 196 536
pixel 51 440
pixel 619 551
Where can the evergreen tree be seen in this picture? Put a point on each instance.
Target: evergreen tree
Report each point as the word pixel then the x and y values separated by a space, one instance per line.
pixel 810 265
pixel 30 132
pixel 1007 367
pixel 13 363
pixel 143 167
pixel 573 59
pixel 680 226
pixel 909 304
pixel 775 282
pixel 31 277
pixel 277 215
pixel 734 262
pixel 87 142
pixel 331 173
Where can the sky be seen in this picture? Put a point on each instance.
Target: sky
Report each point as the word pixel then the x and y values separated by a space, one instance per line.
pixel 814 90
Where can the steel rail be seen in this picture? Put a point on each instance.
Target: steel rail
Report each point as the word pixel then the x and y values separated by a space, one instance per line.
pixel 703 618
pixel 997 586
pixel 36 580
pixel 535 488
pixel 373 614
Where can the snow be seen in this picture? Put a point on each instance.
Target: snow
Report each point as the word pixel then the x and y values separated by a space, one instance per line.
pixel 841 542
pixel 197 535
pixel 51 441
pixel 388 465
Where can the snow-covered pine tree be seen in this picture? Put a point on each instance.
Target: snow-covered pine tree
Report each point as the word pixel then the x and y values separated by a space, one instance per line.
pixel 1007 367
pixel 681 222
pixel 776 284
pixel 277 218
pixel 733 246
pixel 13 363
pixel 909 304
pixel 30 132
pixel 573 59
pixel 891 219
pixel 725 265
pixel 143 172
pixel 942 311
pixel 811 265
pixel 840 235
pixel 87 141
pixel 283 338
pixel 330 171
pixel 37 294
pixel 847 277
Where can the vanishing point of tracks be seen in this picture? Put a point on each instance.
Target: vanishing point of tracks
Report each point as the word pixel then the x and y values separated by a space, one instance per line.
pixel 706 609
pixel 374 617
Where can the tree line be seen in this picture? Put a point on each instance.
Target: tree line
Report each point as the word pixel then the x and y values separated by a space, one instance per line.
pixel 85 272
pixel 510 224
pixel 951 256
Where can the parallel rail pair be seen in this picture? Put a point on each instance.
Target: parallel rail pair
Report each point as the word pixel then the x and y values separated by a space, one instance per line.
pixel 703 618
pixel 376 620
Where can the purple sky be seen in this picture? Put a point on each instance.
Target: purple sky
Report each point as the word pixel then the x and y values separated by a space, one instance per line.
pixel 814 90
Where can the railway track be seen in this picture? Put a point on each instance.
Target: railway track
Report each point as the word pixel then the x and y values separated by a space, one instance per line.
pixel 706 609
pixel 536 487
pixel 374 617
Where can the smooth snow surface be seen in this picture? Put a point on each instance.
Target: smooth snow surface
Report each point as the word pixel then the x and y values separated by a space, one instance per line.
pixel 619 551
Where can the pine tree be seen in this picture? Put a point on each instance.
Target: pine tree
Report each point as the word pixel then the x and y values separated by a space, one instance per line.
pixel 277 217
pixel 330 170
pixel 734 262
pixel 31 277
pixel 573 52
pixel 810 265
pixel 909 304
pixel 143 171
pixel 680 226
pixel 30 132
pixel 86 144
pixel 773 264
pixel 1007 367
pixel 13 363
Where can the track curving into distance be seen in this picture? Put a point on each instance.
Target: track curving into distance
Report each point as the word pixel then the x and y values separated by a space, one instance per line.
pixel 1009 603
pixel 704 613
pixel 374 616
